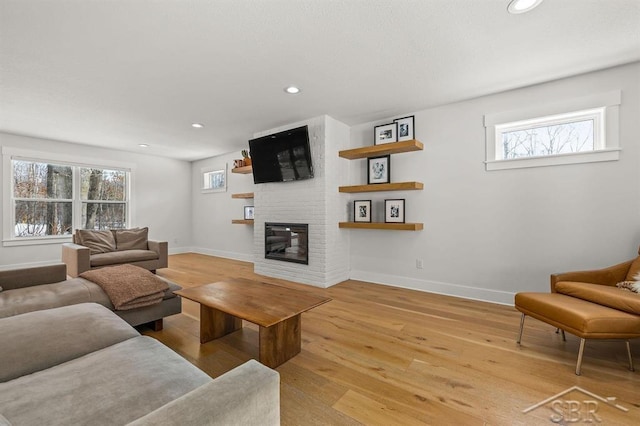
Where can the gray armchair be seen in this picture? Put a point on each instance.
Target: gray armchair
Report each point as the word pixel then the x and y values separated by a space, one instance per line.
pixel 96 249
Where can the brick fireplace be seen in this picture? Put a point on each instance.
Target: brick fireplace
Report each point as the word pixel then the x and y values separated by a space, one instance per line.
pixel 315 202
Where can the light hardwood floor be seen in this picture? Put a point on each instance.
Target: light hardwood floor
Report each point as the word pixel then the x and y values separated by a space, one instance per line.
pixel 381 355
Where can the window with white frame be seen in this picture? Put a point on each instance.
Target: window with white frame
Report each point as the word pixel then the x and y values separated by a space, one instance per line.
pixel 563 136
pixel 47 199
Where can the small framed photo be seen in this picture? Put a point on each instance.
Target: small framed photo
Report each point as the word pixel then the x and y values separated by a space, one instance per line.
pixel 362 211
pixel 379 169
pixel 406 128
pixel 248 212
pixel 394 211
pixel 386 133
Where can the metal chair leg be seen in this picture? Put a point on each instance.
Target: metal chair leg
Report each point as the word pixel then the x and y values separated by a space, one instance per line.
pixel 630 357
pixel 580 353
pixel 521 327
pixel 564 338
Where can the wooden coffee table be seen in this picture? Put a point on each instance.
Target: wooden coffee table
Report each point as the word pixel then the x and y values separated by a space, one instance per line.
pixel 275 309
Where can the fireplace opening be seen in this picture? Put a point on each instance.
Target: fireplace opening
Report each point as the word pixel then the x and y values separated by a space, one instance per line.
pixel 287 242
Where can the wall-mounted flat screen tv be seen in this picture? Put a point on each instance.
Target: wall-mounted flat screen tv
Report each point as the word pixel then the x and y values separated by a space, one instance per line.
pixel 282 157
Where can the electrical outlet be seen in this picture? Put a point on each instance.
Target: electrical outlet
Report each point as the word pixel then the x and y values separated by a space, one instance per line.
pixel 419 263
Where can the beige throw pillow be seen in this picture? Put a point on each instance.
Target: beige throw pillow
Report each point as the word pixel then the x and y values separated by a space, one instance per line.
pixel 132 239
pixel 97 241
pixel 634 270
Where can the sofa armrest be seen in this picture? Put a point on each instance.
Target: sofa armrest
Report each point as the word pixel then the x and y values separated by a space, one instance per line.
pixel 246 395
pixel 26 277
pixel 162 248
pixel 606 276
pixel 77 258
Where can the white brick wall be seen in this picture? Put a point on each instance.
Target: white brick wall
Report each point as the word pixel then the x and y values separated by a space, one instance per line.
pixel 316 202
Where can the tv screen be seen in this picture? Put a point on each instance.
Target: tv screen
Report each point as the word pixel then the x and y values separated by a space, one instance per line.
pixel 282 157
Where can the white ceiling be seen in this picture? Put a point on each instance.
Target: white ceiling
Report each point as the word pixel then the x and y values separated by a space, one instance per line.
pixel 118 73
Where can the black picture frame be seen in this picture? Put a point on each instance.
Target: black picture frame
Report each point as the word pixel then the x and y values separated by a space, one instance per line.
pixel 394 210
pixel 249 212
pixel 362 211
pixel 385 133
pixel 406 128
pixel 379 169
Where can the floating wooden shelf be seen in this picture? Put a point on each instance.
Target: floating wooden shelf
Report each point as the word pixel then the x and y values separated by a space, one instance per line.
pixel 397 186
pixel 382 225
pixel 384 149
pixel 242 221
pixel 245 170
pixel 243 195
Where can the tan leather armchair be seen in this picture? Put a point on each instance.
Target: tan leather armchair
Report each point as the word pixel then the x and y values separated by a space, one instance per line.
pixel 589 305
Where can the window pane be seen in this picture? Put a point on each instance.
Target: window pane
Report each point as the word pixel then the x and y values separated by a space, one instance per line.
pixel 41 180
pixel 40 218
pixel 102 184
pixel 549 140
pixel 103 216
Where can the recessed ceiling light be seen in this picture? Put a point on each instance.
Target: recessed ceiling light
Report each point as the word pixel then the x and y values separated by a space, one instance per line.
pixel 143 145
pixel 292 90
pixel 197 125
pixel 522 6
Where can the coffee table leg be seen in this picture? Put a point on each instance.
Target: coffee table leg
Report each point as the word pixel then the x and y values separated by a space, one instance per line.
pixel 215 323
pixel 280 342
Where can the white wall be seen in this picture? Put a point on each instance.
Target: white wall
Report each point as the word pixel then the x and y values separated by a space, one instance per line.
pixel 488 235
pixel 161 193
pixel 213 233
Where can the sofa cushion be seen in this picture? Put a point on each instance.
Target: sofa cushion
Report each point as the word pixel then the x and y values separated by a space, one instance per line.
pixel 42 339
pixel 47 296
pixel 97 241
pixel 112 386
pixel 132 239
pixel 605 295
pixel 119 257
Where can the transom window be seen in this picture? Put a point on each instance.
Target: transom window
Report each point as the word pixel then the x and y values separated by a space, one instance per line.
pixel 523 139
pixel 49 199
pixel 557 134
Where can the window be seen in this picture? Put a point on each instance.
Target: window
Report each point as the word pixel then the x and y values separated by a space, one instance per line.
pixel 214 180
pixel 47 199
pixel 579 136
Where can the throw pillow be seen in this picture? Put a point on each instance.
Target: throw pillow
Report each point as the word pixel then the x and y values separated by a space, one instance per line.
pixel 97 241
pixel 633 286
pixel 132 239
pixel 634 270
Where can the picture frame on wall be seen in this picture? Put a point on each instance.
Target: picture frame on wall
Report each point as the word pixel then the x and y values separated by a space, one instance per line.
pixel 394 210
pixel 406 128
pixel 362 211
pixel 385 133
pixel 379 169
pixel 248 212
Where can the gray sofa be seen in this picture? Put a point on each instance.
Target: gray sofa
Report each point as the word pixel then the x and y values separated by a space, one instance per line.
pixel 83 365
pixel 45 287
pixel 96 249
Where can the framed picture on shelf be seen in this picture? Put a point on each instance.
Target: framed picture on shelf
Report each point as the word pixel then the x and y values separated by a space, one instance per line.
pixel 248 212
pixel 386 133
pixel 406 128
pixel 394 211
pixel 362 211
pixel 379 169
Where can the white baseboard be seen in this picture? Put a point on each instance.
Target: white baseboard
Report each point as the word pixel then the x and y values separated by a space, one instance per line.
pixel 465 292
pixel 448 289
pixel 30 264
pixel 222 253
